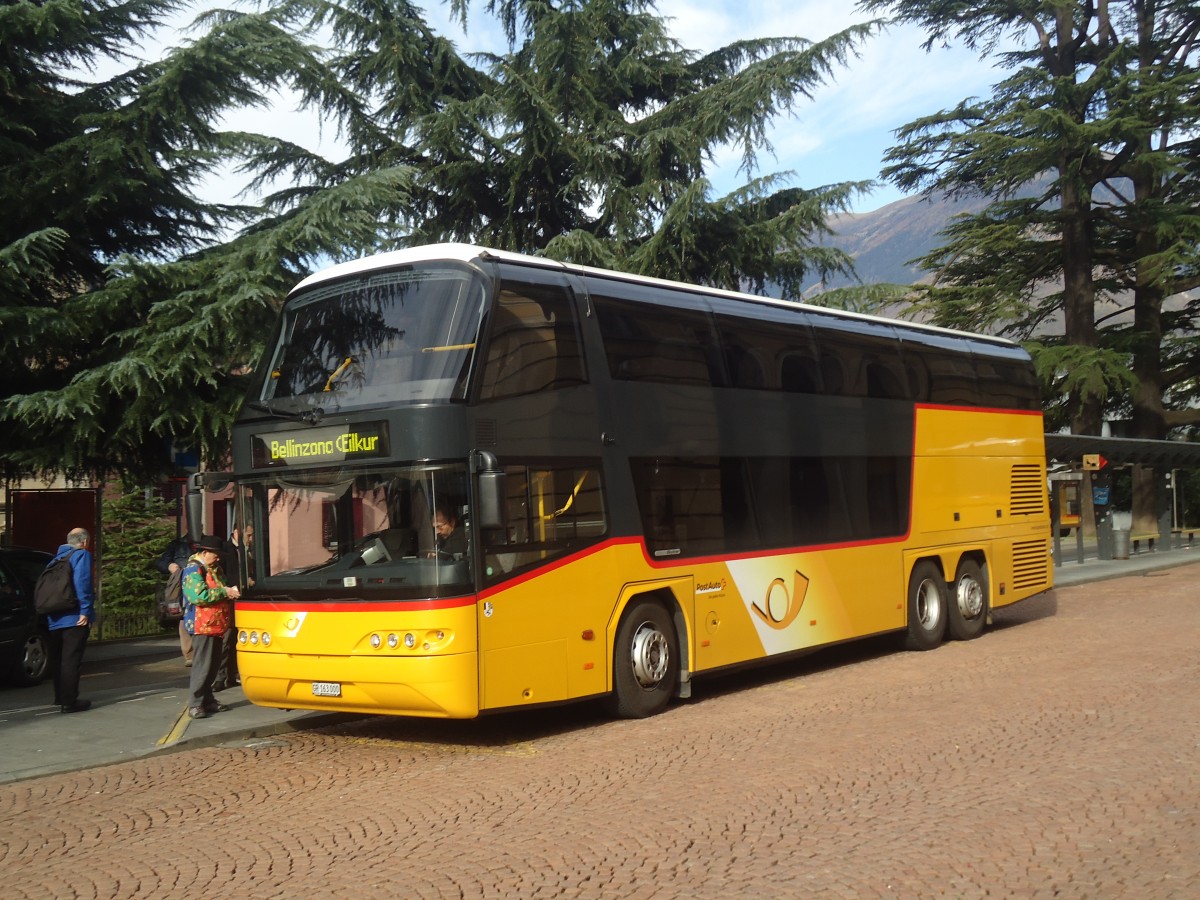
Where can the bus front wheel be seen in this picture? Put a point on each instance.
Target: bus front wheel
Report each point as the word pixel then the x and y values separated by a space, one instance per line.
pixel 645 662
pixel 968 606
pixel 927 607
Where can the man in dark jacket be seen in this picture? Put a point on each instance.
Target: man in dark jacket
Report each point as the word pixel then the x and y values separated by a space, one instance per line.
pixel 69 631
pixel 176 557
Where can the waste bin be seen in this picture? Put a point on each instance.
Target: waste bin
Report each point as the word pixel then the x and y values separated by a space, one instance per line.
pixel 1120 543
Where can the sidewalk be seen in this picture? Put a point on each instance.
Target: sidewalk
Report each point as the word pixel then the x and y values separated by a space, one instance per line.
pixel 1072 572
pixel 139 694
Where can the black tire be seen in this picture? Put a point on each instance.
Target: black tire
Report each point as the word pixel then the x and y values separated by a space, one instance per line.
pixel 33 662
pixel 645 662
pixel 928 599
pixel 968 602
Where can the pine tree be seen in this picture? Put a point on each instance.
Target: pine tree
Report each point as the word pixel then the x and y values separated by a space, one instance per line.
pixel 1089 151
pixel 587 140
pixel 125 311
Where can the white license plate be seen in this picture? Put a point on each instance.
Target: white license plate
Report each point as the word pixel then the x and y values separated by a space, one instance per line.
pixel 326 689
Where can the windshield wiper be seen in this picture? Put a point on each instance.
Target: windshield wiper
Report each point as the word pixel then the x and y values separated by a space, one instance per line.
pixel 312 416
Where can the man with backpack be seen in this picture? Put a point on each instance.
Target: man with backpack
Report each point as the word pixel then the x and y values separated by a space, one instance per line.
pixel 173 560
pixel 69 630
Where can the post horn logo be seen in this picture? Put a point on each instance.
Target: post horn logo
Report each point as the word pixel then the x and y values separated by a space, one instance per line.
pixel 779 607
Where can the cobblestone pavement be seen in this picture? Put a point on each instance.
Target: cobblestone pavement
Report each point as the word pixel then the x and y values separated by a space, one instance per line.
pixel 1056 756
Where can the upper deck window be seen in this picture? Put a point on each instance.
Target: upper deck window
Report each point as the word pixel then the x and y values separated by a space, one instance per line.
pixel 400 336
pixel 534 342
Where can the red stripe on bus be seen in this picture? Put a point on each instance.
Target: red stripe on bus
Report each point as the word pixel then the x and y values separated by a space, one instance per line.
pixel 558 564
pixel 357 606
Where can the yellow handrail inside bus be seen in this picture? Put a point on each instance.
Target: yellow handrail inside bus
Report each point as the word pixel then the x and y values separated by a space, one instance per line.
pixel 448 347
pixel 333 376
pixel 571 499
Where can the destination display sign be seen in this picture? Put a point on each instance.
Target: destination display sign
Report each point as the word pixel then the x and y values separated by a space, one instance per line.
pixel 315 446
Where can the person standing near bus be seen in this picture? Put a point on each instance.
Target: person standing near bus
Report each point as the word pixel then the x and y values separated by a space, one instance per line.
pixel 227 671
pixel 204 587
pixel 173 558
pixel 69 631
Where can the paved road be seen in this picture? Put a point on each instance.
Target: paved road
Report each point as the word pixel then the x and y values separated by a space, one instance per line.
pixel 1055 756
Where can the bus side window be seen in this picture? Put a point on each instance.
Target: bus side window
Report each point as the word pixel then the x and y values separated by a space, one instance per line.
pixel 665 344
pixel 549 511
pixel 533 343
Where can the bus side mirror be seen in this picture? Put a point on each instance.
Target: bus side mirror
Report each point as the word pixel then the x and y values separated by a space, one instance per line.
pixel 489 496
pixel 197 484
pixel 491 500
pixel 194 506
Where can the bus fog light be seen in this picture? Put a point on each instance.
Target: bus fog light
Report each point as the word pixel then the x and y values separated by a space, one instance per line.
pixel 441 635
pixel 393 641
pixel 410 641
pixel 376 642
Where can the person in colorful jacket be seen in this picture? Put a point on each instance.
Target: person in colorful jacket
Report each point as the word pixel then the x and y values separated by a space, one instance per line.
pixel 204 587
pixel 69 631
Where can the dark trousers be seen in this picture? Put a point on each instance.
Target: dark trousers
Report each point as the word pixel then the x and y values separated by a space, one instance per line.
pixel 66 657
pixel 206 659
pixel 227 672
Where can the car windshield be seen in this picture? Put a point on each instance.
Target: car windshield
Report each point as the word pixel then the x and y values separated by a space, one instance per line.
pixel 395 532
pixel 401 336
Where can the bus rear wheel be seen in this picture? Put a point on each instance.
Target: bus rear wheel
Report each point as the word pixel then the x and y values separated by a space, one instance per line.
pixel 927 606
pixel 645 662
pixel 968 606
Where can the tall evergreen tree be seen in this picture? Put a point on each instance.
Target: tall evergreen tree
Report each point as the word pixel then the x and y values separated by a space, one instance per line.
pixel 124 312
pixel 588 139
pixel 1089 150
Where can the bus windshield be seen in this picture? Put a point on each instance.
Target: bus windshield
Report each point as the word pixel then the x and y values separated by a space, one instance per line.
pixel 394 532
pixel 406 335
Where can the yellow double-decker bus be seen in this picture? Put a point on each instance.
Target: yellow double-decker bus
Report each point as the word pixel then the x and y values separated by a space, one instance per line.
pixel 472 480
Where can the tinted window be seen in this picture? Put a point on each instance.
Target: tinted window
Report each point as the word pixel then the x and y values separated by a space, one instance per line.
pixel 1007 381
pixel 549 511
pixel 407 335
pixel 941 369
pixel 860 359
pixel 675 344
pixel 773 351
pixel 533 342
pixel 709 506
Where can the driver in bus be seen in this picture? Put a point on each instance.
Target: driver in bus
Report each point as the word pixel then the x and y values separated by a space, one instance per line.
pixel 449 539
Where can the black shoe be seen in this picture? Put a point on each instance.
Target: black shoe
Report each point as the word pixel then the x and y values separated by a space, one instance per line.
pixel 77 706
pixel 215 707
pixel 219 686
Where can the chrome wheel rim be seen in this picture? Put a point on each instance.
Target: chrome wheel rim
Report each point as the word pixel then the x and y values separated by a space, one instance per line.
pixel 929 604
pixel 651 655
pixel 970 597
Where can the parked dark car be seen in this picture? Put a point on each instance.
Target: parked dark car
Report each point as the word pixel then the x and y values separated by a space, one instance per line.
pixel 24 644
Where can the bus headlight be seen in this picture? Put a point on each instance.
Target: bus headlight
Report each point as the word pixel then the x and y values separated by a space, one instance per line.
pixel 393 641
pixel 410 641
pixel 376 642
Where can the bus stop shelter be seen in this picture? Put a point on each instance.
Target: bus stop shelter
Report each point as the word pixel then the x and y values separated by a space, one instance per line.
pixel 1089 462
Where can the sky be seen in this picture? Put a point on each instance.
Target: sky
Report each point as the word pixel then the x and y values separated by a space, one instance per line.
pixel 839 136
